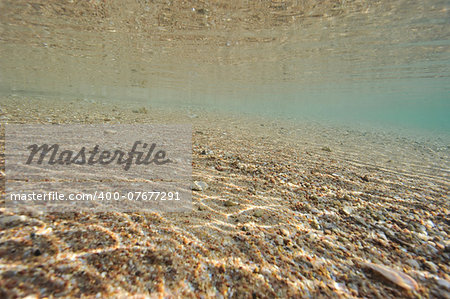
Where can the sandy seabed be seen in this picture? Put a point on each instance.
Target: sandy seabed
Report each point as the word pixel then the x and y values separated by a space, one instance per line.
pixel 280 209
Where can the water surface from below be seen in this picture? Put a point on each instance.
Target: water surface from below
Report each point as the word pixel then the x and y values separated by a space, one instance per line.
pixel 373 64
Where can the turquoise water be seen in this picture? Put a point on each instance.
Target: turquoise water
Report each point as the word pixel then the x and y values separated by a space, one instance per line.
pixel 384 64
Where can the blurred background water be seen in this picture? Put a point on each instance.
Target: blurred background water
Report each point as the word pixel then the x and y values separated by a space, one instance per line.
pixel 366 63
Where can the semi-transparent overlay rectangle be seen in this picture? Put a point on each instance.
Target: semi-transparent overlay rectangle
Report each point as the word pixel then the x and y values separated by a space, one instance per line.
pixel 125 168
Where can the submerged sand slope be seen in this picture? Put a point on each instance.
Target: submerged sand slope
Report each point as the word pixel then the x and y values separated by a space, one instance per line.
pixel 290 210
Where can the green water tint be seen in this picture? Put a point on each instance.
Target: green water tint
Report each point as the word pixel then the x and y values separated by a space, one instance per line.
pixel 358 63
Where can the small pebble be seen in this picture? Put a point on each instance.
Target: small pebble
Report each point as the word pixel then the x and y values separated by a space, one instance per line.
pixel 413 263
pixel 258 213
pixel 284 232
pixel 443 283
pixel 431 266
pixel 199 186
pixel 229 203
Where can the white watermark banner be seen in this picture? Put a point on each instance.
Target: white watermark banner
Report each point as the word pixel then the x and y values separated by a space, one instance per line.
pixel 123 168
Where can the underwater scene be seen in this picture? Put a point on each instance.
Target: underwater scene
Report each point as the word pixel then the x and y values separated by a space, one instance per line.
pixel 224 149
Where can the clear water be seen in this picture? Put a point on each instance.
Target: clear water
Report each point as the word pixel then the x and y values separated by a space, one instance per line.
pixel 365 63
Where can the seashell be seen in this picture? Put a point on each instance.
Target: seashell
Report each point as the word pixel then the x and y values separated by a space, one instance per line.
pixel 399 278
